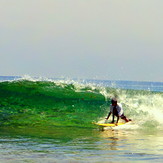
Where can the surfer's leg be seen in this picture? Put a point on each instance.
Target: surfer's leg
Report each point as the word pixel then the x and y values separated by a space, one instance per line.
pixel 112 119
pixel 124 118
pixel 115 113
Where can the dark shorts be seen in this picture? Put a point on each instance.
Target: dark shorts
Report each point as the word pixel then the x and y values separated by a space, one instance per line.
pixel 116 114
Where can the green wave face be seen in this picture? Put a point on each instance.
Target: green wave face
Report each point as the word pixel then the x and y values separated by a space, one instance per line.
pixel 60 103
pixel 26 102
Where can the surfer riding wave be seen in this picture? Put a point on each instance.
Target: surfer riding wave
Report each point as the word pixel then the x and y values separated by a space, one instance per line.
pixel 117 110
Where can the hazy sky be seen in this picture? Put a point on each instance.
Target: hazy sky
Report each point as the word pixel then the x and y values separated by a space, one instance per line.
pixel 101 39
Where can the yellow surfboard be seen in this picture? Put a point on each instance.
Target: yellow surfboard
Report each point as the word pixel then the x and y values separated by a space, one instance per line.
pixel 110 124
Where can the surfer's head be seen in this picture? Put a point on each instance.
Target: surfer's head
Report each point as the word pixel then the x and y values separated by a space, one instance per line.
pixel 114 101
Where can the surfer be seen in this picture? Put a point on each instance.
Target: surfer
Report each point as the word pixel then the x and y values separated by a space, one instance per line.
pixel 117 110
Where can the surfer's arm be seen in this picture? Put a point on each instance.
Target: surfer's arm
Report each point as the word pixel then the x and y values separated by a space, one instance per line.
pixel 108 115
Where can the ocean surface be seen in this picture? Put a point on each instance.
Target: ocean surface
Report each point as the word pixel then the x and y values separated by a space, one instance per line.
pixel 52 120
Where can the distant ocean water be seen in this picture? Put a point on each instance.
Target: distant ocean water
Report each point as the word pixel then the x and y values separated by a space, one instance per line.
pixel 53 118
pixel 137 85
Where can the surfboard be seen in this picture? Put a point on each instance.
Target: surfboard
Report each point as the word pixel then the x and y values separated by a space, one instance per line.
pixel 110 124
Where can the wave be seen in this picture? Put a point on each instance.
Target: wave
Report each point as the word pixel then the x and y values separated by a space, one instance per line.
pixel 72 103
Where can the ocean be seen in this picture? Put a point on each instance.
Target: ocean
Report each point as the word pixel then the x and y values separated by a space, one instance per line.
pixel 52 120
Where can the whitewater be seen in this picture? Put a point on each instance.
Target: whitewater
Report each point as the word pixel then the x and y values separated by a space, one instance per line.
pixel 51 120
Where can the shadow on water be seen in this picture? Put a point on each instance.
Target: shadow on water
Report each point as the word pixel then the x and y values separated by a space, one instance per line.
pixel 63 134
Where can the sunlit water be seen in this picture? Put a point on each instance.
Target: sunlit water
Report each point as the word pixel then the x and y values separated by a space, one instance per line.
pixel 80 145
